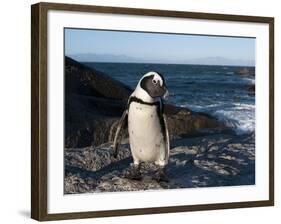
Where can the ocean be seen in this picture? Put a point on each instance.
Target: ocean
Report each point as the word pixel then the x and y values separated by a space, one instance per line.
pixel 217 90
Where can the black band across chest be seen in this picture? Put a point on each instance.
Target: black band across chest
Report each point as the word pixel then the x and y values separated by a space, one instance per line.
pixel 138 100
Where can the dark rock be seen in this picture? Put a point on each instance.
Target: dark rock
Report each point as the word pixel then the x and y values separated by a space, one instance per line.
pixel 81 79
pixel 251 88
pixel 88 120
pixel 249 71
pixel 187 122
pixel 94 102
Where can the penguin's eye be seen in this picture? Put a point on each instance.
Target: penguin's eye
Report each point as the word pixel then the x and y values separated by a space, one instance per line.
pixel 154 81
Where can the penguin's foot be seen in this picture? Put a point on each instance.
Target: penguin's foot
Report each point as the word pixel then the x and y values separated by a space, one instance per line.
pixel 134 173
pixel 161 175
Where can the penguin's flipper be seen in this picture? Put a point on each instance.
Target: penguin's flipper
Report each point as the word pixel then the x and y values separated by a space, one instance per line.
pixel 167 139
pixel 121 123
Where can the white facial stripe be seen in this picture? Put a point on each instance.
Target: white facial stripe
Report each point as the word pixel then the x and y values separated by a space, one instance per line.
pixel 158 78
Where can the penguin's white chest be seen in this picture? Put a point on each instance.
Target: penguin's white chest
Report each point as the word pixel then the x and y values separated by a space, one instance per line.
pixel 146 137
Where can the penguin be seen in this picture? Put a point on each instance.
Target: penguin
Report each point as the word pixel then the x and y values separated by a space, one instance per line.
pixel 147 125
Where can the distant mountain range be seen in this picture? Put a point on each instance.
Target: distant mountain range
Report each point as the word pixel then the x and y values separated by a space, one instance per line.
pixel 221 61
pixel 90 57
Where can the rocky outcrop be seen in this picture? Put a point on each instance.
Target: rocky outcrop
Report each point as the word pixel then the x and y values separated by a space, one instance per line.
pixel 251 88
pixel 94 102
pixel 83 80
pixel 249 71
pixel 208 161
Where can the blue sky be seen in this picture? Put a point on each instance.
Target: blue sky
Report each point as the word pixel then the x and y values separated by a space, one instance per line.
pixel 159 47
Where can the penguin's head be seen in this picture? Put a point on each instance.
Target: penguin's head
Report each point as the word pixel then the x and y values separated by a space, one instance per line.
pixel 154 84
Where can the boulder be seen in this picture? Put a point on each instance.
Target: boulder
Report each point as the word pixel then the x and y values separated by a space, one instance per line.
pixel 249 71
pixel 83 80
pixel 251 89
